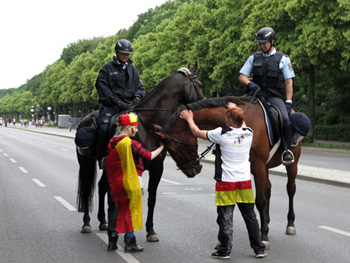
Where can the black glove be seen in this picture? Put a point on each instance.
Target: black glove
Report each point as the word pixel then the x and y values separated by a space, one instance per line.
pixel 253 87
pixel 136 101
pixel 122 105
pixel 289 108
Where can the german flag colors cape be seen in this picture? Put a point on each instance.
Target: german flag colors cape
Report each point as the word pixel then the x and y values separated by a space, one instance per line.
pixel 125 187
pixel 230 193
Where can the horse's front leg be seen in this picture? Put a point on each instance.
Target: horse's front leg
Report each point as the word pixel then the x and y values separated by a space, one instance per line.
pixel 155 174
pixel 262 199
pixel 292 171
pixel 102 190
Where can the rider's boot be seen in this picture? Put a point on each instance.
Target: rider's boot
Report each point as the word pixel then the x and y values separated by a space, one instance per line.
pixel 131 246
pixel 287 155
pixel 112 242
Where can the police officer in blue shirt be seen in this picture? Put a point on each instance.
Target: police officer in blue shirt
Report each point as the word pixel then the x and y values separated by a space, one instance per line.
pixel 271 70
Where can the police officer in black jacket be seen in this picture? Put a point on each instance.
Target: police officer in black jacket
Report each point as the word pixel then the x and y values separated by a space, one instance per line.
pixel 271 71
pixel 119 86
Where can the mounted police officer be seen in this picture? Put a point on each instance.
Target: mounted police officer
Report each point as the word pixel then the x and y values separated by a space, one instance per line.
pixel 271 70
pixel 119 86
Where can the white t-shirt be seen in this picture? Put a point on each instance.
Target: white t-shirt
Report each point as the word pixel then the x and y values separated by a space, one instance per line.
pixel 233 148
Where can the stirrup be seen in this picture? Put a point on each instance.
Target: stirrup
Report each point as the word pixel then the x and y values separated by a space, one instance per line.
pixel 288 161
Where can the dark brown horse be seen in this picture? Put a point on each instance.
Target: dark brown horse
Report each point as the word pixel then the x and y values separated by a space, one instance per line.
pixel 209 114
pixel 157 106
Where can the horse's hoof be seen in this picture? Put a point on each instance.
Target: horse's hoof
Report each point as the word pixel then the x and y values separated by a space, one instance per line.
pixel 103 227
pixel 291 230
pixel 86 230
pixel 267 244
pixel 152 238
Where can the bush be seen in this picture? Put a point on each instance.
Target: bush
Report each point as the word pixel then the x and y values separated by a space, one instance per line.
pixel 339 133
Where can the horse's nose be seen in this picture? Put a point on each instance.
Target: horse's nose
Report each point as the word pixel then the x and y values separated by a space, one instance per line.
pixel 199 168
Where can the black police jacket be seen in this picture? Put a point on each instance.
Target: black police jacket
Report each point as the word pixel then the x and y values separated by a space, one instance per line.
pixel 114 83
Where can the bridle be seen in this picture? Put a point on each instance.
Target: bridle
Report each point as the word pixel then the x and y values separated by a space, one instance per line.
pixel 180 145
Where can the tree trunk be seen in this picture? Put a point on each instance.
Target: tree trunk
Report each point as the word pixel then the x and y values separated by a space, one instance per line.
pixel 312 96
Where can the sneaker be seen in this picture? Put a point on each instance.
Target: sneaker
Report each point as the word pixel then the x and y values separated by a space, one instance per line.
pixel 220 255
pixel 260 255
pixel 287 157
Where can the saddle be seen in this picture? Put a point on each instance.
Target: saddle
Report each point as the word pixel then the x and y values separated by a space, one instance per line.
pixel 274 122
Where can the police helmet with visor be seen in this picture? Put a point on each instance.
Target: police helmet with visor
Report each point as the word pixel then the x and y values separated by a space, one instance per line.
pixel 265 34
pixel 123 46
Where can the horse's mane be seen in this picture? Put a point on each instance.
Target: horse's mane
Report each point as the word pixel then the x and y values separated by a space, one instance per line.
pixel 202 104
pixel 184 71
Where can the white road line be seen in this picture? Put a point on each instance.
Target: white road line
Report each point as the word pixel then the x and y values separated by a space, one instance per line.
pixel 168 181
pixel 38 182
pixel 23 170
pixel 120 251
pixel 5 154
pixel 336 230
pixel 13 160
pixel 65 203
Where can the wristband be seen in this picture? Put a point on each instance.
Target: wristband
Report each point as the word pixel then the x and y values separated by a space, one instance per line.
pixel 289 101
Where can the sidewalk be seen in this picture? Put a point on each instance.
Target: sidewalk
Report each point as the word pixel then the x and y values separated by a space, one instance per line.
pixel 310 173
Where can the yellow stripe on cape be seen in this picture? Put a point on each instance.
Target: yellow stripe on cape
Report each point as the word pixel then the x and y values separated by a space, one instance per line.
pixel 131 182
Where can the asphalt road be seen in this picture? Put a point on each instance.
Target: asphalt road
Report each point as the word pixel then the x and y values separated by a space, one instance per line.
pixel 39 222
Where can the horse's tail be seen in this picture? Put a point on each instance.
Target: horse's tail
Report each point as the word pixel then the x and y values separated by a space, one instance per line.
pixel 86 182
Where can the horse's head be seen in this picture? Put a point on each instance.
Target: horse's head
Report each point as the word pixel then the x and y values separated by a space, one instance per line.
pixel 193 91
pixel 181 145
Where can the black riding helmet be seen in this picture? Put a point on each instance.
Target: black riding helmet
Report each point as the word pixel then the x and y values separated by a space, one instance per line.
pixel 265 34
pixel 123 46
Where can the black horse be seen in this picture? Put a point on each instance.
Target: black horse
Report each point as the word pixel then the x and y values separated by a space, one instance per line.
pixel 156 107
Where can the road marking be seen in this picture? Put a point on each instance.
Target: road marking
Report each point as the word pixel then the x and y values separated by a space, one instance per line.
pixel 120 251
pixel 23 170
pixel 193 189
pixel 5 154
pixel 65 203
pixel 336 230
pixel 168 181
pixel 38 182
pixel 13 160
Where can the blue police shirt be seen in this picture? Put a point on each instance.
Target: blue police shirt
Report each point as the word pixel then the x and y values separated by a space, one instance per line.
pixel 285 65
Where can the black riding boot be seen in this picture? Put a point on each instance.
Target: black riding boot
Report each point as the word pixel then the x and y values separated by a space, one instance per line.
pixel 131 246
pixel 287 156
pixel 112 243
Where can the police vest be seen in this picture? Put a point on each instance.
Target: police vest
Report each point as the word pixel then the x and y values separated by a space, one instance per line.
pixel 267 74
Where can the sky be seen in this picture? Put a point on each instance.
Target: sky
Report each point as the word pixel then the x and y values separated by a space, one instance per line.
pixel 33 33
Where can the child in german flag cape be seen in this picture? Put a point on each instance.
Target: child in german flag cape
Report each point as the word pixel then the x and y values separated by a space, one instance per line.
pixel 124 167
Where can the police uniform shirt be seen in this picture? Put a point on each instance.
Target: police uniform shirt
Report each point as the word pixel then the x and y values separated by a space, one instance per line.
pixel 285 65
pixel 234 147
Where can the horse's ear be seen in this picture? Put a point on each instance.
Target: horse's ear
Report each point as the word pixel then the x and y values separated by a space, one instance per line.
pixel 156 127
pixel 194 69
pixel 162 136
